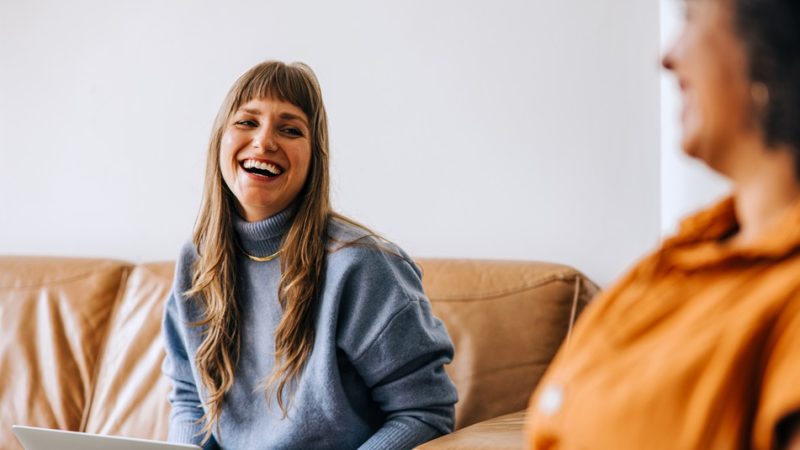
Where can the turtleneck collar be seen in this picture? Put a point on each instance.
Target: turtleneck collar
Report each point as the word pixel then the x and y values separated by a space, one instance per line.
pixel 264 237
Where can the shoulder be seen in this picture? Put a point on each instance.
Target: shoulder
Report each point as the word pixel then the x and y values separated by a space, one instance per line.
pixel 379 297
pixel 371 278
pixel 352 247
pixel 184 267
pixel 188 251
pixel 342 230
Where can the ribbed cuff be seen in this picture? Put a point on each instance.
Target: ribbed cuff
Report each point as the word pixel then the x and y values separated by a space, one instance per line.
pixel 185 433
pixel 399 434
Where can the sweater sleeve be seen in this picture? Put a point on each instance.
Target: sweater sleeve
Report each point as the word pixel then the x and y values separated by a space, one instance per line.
pixel 185 418
pixel 399 348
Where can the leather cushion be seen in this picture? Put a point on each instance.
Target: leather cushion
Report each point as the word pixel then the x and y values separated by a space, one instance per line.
pixel 54 315
pixel 501 433
pixel 130 396
pixel 507 320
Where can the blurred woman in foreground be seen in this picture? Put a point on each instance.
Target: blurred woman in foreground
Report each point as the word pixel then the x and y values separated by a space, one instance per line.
pixel 698 347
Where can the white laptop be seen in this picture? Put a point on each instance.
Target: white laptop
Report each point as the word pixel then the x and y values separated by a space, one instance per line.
pixel 33 438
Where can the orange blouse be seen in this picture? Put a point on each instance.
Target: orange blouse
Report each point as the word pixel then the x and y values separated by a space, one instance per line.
pixel 698 347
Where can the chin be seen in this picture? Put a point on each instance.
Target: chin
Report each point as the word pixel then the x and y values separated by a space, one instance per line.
pixel 693 136
pixel 710 155
pixel 691 147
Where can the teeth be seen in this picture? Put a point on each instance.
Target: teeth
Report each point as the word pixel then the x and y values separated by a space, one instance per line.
pixel 261 165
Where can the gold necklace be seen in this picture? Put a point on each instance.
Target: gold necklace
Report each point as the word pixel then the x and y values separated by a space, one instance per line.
pixel 261 258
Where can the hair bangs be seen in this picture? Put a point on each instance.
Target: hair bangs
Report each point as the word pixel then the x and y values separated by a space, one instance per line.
pixel 279 81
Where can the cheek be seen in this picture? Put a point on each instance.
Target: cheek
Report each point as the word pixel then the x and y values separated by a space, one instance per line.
pixel 302 162
pixel 724 107
pixel 226 146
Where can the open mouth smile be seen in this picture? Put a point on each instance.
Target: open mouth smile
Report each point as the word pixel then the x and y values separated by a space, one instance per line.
pixel 261 168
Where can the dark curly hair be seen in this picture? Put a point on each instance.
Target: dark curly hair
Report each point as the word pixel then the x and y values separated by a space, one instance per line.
pixel 770 31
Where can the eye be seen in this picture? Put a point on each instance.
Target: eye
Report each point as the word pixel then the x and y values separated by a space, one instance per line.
pixel 246 123
pixel 292 131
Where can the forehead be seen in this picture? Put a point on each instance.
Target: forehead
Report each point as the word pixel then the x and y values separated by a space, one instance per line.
pixel 271 105
pixel 705 4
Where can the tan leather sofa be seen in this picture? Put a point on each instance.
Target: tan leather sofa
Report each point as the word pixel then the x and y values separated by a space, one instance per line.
pixel 80 343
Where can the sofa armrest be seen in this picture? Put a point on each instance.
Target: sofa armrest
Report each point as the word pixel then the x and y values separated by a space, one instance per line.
pixel 500 433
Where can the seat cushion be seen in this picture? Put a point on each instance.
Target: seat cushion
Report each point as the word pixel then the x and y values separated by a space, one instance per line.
pixel 501 433
pixel 54 315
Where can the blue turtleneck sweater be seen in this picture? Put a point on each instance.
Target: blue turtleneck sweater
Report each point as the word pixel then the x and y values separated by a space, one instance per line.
pixel 374 380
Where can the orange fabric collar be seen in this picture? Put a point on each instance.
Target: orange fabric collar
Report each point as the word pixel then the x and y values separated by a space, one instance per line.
pixel 698 242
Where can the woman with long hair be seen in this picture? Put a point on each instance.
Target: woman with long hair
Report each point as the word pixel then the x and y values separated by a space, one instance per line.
pixel 698 346
pixel 289 325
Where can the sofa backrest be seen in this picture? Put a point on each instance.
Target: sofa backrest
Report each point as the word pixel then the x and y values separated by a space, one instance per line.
pixel 507 320
pixel 81 349
pixel 130 392
pixel 54 316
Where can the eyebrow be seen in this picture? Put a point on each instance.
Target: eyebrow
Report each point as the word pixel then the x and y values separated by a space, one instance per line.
pixel 290 116
pixel 283 115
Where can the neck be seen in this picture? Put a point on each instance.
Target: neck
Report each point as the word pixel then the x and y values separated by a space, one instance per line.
pixel 764 190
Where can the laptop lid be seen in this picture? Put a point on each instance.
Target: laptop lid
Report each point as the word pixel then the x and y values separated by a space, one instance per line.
pixel 33 438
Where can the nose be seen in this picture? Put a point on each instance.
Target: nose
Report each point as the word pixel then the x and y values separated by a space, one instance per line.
pixel 264 140
pixel 674 53
pixel 668 60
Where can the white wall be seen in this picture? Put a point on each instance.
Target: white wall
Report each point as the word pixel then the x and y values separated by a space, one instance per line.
pixel 686 184
pixel 523 129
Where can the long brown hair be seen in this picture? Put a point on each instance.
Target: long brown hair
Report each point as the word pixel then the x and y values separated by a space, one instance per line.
pixel 303 246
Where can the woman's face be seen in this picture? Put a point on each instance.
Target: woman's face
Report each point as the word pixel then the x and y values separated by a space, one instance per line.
pixel 710 64
pixel 264 156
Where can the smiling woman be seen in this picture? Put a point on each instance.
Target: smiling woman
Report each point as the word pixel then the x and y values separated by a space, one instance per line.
pixel 288 325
